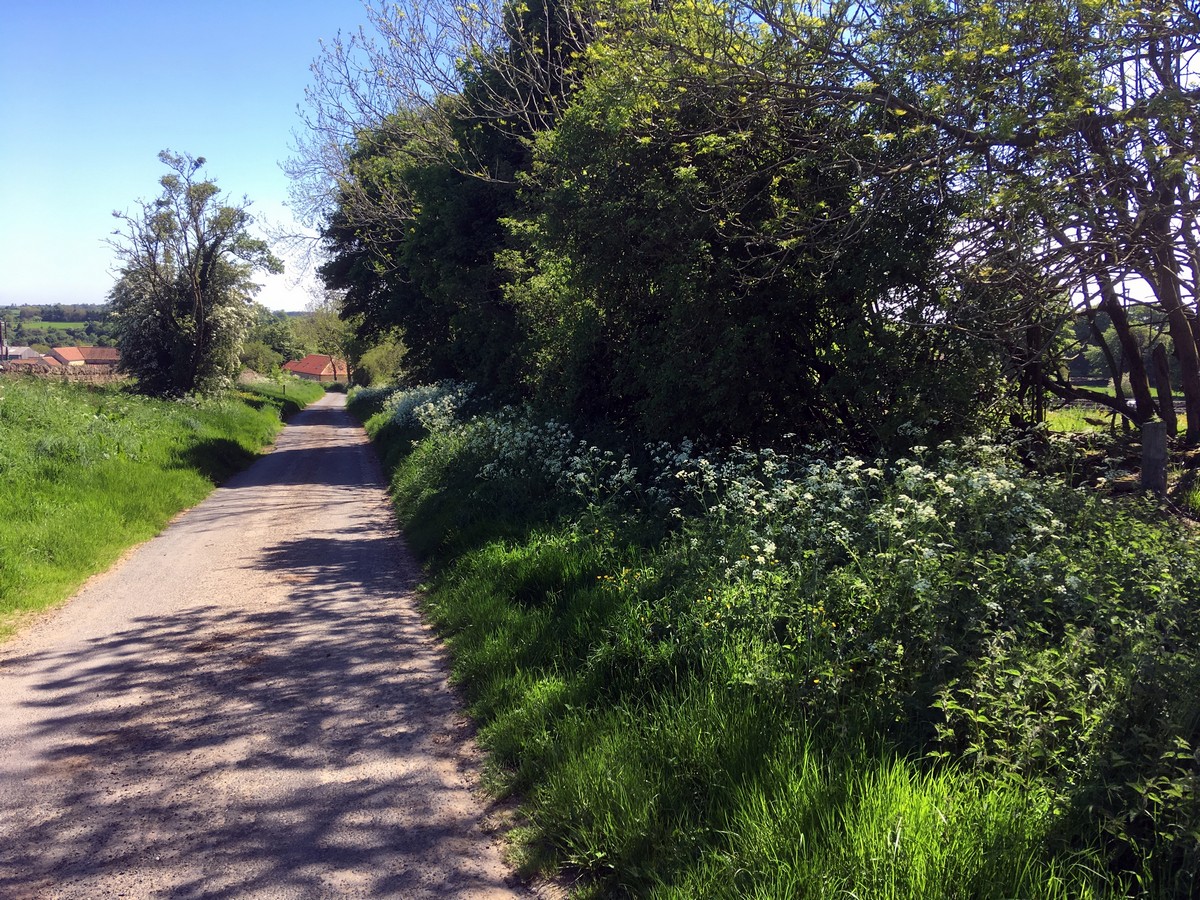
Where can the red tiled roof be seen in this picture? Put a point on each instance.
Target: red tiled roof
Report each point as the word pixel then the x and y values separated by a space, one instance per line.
pixel 100 356
pixel 49 360
pixel 68 354
pixel 316 364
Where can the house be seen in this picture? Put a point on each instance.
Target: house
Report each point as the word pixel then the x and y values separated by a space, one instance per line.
pixel 68 356
pixel 318 367
pixel 75 357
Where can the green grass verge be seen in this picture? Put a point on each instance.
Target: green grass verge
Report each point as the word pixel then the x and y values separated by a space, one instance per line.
pixel 88 472
pixel 649 776
pixel 289 395
pixel 962 682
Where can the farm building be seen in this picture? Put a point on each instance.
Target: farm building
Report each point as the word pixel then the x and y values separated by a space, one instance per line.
pixel 318 367
pixel 67 356
pixel 100 356
pixel 20 353
pixel 84 356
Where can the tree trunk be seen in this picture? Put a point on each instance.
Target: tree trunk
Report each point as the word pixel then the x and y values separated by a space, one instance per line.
pixel 1162 379
pixel 1154 457
pixel 1139 383
pixel 1164 279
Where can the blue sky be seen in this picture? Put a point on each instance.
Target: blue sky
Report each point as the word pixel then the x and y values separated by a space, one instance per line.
pixel 92 90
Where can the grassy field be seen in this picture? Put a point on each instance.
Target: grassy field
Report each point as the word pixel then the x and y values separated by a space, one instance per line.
pixel 1078 420
pixel 88 472
pixel 749 675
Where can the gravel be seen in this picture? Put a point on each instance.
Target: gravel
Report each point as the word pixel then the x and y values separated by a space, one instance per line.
pixel 248 705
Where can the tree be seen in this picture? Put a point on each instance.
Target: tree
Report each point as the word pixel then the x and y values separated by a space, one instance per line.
pixel 383 362
pixel 323 330
pixel 1072 126
pixel 428 266
pixel 428 68
pixel 834 185
pixel 182 301
pixel 416 138
pixel 684 236
pixel 276 331
pixel 258 357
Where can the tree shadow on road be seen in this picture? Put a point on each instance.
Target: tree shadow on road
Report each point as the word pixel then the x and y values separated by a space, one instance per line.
pixel 301 744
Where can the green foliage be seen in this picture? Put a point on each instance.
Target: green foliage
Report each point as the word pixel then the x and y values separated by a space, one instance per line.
pixel 673 235
pixel 758 674
pixel 90 471
pixel 276 332
pixel 682 239
pixel 321 329
pixel 828 220
pixel 182 303
pixel 428 266
pixel 383 362
pixel 258 357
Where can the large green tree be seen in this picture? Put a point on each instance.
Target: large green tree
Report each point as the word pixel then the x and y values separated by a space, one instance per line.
pixel 427 266
pixel 696 259
pixel 410 164
pixel 1071 126
pixel 183 301
pixel 856 190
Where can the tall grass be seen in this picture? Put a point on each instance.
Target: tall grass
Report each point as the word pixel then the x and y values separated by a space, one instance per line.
pixel 752 675
pixel 88 471
pixel 658 778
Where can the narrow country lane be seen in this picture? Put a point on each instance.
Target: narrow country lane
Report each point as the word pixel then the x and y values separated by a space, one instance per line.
pixel 248 706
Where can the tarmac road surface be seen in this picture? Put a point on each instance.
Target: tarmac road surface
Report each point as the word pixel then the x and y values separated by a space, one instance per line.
pixel 248 705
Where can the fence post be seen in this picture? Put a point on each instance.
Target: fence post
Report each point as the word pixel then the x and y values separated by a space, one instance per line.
pixel 1154 457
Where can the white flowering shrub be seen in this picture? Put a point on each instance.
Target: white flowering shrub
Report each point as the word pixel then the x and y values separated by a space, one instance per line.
pixel 425 409
pixel 515 447
pixel 432 406
pixel 371 397
pixel 951 600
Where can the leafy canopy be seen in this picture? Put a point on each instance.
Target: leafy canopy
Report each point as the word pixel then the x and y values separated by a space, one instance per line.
pixel 182 302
